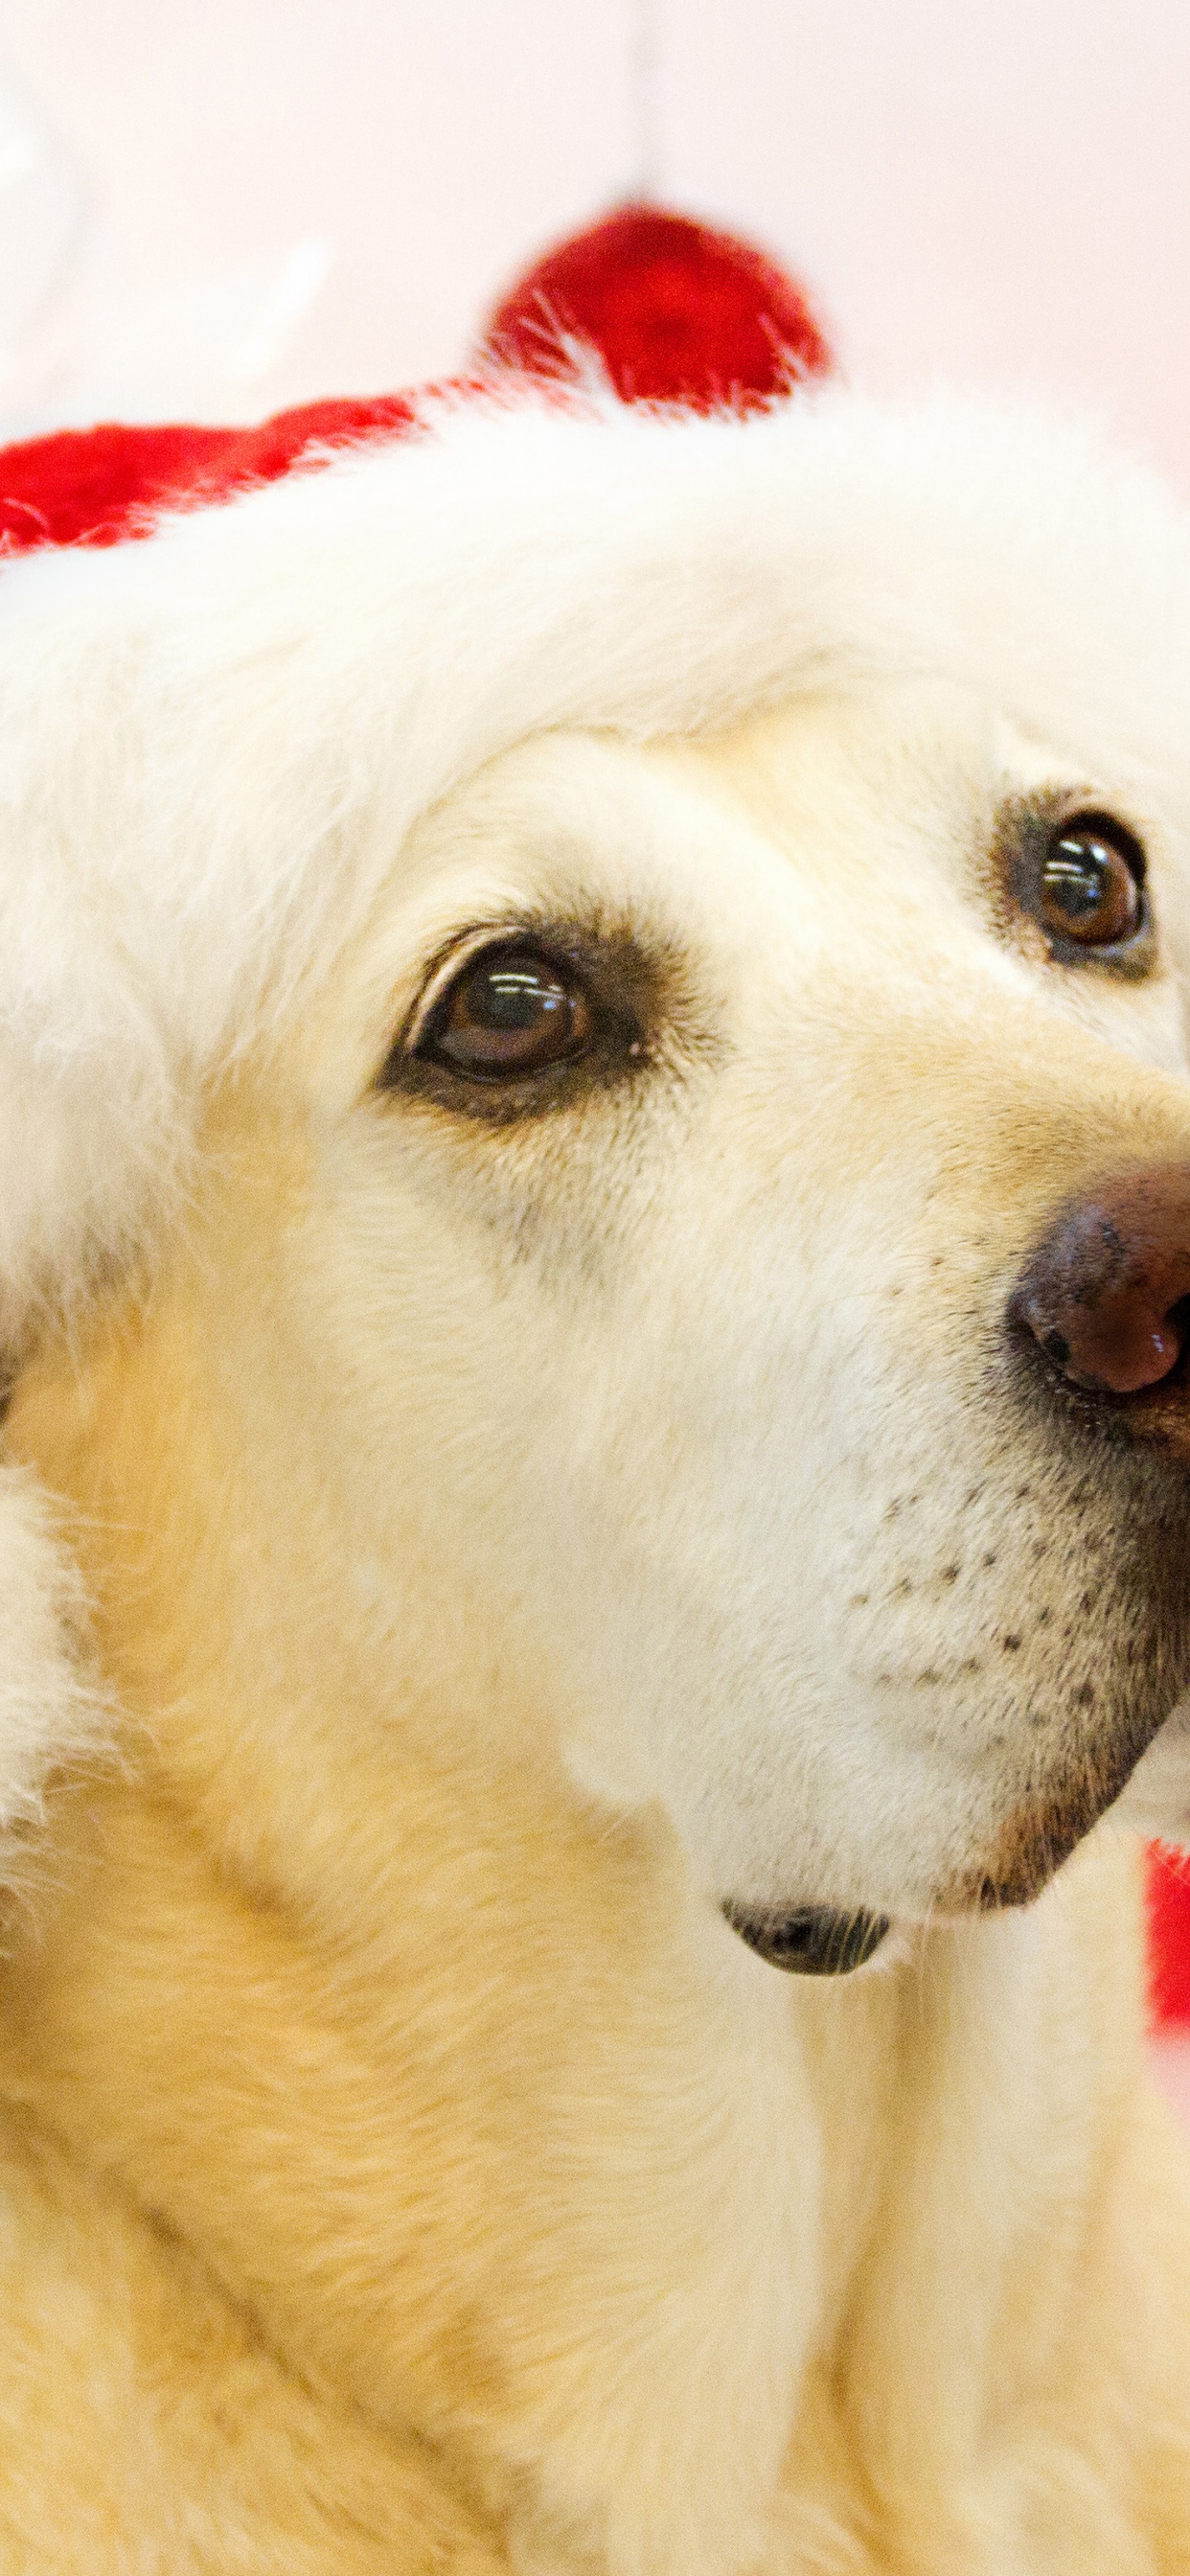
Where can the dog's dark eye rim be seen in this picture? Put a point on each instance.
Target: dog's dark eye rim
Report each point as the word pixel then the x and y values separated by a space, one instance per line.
pixel 602 993
pixel 1040 845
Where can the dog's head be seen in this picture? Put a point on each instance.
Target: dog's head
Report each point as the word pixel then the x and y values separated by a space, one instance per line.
pixel 710 1212
pixel 692 1142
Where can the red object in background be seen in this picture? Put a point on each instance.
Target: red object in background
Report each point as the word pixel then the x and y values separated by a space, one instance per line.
pixel 1168 1892
pixel 677 312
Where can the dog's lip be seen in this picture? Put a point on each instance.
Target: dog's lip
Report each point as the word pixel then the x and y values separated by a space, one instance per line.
pixel 809 1940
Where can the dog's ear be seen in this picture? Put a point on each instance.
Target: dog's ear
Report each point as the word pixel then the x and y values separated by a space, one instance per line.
pixel 92 1125
pixel 83 1152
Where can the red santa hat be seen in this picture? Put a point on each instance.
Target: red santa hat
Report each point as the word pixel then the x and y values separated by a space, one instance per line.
pixel 236 665
pixel 673 311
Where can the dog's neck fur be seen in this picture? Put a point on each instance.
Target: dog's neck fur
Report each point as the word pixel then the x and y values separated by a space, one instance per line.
pixel 462 2090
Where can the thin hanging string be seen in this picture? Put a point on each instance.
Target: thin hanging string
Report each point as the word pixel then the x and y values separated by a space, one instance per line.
pixel 645 92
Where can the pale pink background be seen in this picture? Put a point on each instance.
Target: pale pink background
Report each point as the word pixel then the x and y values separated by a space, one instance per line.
pixel 995 194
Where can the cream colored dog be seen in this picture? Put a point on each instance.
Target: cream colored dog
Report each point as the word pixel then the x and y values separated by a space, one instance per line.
pixel 608 1459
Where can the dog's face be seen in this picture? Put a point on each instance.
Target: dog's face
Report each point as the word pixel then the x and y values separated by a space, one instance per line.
pixel 677 1138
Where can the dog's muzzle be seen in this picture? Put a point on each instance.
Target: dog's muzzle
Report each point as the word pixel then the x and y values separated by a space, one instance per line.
pixel 813 1942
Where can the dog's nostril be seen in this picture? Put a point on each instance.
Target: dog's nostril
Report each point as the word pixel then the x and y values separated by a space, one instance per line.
pixel 1106 1293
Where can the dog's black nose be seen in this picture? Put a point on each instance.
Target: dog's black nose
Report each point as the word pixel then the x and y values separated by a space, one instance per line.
pixel 1106 1293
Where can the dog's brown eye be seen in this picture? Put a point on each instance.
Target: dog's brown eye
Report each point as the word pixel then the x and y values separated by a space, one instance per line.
pixel 512 1011
pixel 1091 882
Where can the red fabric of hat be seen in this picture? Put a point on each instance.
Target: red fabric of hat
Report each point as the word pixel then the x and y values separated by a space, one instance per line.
pixel 95 487
pixel 674 311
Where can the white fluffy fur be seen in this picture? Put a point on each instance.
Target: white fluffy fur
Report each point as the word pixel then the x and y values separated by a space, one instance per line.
pixel 214 739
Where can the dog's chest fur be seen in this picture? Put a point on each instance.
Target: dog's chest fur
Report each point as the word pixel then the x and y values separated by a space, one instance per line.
pixel 662 2288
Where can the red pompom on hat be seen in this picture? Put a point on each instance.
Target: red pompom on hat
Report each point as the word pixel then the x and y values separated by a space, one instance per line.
pixel 676 312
